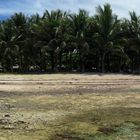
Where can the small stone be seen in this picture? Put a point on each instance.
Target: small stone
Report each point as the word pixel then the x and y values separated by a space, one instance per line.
pixel 7 115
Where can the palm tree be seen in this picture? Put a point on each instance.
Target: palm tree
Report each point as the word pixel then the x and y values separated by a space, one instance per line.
pixel 21 28
pixel 107 27
pixel 50 34
pixel 79 25
pixel 60 41
pixel 131 30
pixel 8 45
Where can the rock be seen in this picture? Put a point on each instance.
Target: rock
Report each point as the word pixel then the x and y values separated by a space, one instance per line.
pixel 7 115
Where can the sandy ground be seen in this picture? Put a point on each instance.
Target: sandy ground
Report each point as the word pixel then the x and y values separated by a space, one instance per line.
pixel 30 105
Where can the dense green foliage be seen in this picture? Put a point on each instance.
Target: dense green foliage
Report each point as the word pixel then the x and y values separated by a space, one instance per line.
pixel 61 41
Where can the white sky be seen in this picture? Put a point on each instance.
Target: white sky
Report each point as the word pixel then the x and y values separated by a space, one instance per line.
pixel 120 7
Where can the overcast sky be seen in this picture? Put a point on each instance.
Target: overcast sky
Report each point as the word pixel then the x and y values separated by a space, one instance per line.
pixel 120 7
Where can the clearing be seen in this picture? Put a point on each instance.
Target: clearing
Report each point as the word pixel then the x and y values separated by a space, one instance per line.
pixel 69 107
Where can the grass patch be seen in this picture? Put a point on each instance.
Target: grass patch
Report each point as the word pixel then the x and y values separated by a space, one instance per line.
pixel 103 124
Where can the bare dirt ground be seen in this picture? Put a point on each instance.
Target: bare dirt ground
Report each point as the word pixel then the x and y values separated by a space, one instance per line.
pixel 70 107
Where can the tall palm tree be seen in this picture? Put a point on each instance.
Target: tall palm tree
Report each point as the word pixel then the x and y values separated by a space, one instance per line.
pixel 79 25
pixel 107 25
pixel 63 41
pixel 21 28
pixel 50 34
pixel 132 30
pixel 8 45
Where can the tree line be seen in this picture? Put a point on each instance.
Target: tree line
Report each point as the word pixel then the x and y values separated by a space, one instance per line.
pixel 61 41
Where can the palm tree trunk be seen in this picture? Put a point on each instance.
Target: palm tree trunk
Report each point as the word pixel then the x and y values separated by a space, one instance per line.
pixel 60 61
pixel 11 66
pixel 70 64
pixel 82 64
pixel 52 61
pixel 66 60
pixel 103 62
pixel 132 67
pixel 82 67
